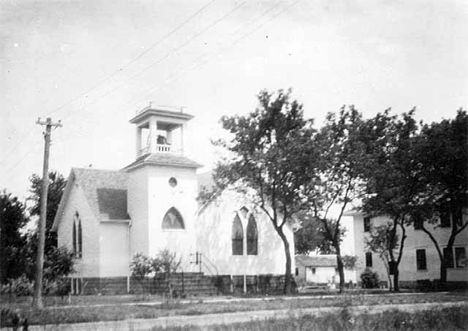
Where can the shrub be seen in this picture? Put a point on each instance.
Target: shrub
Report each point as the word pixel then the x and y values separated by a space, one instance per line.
pixel 369 279
pixel 20 286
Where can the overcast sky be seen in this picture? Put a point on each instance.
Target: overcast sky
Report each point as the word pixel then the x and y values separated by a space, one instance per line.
pixel 92 64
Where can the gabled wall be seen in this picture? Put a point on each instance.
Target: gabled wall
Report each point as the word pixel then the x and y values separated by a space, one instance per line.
pixel 214 240
pixel 88 264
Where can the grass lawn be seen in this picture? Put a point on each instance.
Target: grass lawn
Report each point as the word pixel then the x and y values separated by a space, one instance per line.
pixel 107 308
pixel 447 319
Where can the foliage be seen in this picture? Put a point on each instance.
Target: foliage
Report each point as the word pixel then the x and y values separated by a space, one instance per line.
pixel 369 279
pixel 57 184
pixel 442 159
pixel 167 262
pixel 20 286
pixel 141 266
pixel 383 241
pixel 310 236
pixel 392 187
pixel 349 262
pixel 12 220
pixel 263 146
pixel 342 163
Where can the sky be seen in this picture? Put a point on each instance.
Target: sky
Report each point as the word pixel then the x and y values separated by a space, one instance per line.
pixel 93 64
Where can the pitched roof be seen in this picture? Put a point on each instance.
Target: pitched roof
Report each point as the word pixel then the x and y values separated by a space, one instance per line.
pixel 106 192
pixel 317 260
pixel 163 159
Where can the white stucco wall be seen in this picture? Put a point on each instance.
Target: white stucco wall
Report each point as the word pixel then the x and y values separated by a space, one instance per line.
pixel 114 252
pixel 88 264
pixel 149 198
pixel 214 226
pixel 416 239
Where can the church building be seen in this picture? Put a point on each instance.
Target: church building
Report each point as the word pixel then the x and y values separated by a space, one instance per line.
pixel 106 217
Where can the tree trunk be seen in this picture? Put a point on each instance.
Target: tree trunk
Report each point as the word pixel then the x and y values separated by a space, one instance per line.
pixel 443 274
pixel 396 284
pixel 339 262
pixel 287 279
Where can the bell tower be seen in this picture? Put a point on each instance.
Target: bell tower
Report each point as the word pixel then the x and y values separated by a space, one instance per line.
pixel 160 130
pixel 162 185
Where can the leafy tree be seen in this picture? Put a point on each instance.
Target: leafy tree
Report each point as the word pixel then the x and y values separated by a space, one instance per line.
pixel 349 261
pixel 141 266
pixel 442 161
pixel 12 220
pixel 382 241
pixel 57 184
pixel 271 154
pixel 342 163
pixel 309 237
pixel 392 184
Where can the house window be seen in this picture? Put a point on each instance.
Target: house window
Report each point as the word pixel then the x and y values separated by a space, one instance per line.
pixel 421 259
pixel 173 220
pixel 460 257
pixel 448 258
pixel 417 222
pixel 366 224
pixel 313 271
pixel 77 236
pixel 252 237
pixel 297 271
pixel 369 259
pixel 237 237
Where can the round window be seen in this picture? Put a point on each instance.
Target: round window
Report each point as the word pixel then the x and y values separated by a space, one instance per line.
pixel 172 182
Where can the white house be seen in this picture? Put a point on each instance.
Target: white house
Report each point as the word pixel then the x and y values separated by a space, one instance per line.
pixel 420 260
pixel 105 217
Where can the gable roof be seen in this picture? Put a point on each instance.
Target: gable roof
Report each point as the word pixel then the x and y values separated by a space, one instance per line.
pixel 317 260
pixel 105 192
pixel 163 159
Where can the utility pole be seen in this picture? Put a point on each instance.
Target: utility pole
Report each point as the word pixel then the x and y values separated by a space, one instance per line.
pixel 37 303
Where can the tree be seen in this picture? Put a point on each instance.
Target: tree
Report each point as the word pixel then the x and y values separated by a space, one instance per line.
pixel 270 154
pixel 57 184
pixel 441 152
pixel 310 237
pixel 341 167
pixel 383 241
pixel 392 184
pixel 12 220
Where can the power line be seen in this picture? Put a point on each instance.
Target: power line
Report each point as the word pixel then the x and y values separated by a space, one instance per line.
pixel 160 60
pixel 134 59
pixel 169 34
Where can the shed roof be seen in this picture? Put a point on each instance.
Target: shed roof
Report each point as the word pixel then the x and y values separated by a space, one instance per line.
pixel 317 260
pixel 163 159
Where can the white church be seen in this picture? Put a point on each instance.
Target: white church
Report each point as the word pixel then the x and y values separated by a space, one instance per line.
pixel 106 217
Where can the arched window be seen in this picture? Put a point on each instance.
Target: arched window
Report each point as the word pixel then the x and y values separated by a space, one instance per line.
pixel 173 220
pixel 244 211
pixel 77 236
pixel 252 237
pixel 237 237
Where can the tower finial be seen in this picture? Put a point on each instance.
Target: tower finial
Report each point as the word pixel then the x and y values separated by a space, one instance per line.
pixel 150 104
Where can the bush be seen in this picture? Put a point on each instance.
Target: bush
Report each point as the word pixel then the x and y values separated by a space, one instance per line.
pixel 369 279
pixel 20 286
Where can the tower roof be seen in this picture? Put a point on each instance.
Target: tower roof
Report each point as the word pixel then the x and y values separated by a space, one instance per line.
pixel 163 159
pixel 162 113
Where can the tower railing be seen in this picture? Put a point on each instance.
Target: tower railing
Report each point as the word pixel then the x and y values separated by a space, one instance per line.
pixel 161 148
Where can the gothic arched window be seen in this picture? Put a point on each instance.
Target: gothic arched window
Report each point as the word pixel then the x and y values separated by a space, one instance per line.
pixel 252 237
pixel 77 236
pixel 173 220
pixel 237 237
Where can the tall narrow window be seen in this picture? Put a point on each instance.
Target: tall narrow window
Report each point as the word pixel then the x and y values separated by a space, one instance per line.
pixel 445 217
pixel 369 259
pixel 74 238
pixel 237 237
pixel 448 257
pixel 417 222
pixel 77 236
pixel 460 257
pixel 421 259
pixel 366 224
pixel 173 220
pixel 80 240
pixel 252 237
